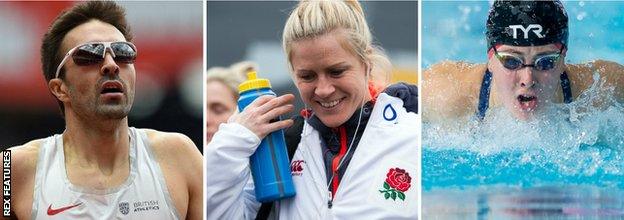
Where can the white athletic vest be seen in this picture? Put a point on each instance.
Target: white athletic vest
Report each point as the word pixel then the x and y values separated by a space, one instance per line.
pixel 143 195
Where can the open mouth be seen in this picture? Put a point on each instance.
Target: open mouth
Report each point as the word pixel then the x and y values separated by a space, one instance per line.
pixel 523 98
pixel 111 90
pixel 111 87
pixel 527 102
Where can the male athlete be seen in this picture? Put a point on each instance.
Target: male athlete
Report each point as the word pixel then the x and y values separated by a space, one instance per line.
pixel 99 168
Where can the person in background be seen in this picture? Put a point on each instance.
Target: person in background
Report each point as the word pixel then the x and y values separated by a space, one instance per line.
pixel 222 93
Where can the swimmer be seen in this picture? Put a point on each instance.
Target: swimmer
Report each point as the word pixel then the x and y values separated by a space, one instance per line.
pixel 526 69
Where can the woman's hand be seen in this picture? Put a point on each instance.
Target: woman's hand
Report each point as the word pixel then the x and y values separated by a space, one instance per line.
pixel 258 116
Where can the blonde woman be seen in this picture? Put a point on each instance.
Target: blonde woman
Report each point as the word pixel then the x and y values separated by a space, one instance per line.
pixel 222 93
pixel 357 152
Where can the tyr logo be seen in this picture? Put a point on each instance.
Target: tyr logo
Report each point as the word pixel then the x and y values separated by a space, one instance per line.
pixel 296 168
pixel 537 29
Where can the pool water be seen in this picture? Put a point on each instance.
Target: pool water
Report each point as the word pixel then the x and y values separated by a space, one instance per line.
pixel 568 162
pixel 506 202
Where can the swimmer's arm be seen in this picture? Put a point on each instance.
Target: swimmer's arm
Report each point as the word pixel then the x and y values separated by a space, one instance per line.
pixel 181 163
pixel 432 95
pixel 581 76
pixel 450 90
pixel 23 169
pixel 614 75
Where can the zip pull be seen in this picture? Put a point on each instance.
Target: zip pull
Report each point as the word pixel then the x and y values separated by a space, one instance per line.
pixel 329 200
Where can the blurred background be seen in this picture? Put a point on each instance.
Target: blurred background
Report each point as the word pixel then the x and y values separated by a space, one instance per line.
pixel 252 31
pixel 169 70
pixel 455 30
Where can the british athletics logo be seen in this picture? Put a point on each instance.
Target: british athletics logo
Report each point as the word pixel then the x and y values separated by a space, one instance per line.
pixel 6 183
pixel 124 208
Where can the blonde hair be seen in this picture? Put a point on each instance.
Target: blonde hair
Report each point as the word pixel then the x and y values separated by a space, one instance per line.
pixel 231 76
pixel 315 18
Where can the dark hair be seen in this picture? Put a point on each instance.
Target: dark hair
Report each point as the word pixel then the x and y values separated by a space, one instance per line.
pixel 105 11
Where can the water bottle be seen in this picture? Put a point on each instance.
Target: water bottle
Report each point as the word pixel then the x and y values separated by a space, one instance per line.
pixel 270 166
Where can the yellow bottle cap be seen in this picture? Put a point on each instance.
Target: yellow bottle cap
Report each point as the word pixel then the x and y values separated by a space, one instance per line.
pixel 253 83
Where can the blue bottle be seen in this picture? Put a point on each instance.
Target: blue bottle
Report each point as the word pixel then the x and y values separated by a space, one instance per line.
pixel 270 165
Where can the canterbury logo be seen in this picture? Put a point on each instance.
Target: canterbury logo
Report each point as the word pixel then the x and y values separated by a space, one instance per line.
pixel 537 29
pixel 296 168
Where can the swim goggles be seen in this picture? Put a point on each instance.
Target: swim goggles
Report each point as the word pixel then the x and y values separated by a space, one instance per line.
pixel 514 62
pixel 94 52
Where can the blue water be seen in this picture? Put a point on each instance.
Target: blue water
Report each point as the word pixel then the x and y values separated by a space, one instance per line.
pixel 455 30
pixel 576 143
pixel 566 164
pixel 504 202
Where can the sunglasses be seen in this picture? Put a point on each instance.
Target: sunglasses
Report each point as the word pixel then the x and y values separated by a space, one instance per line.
pixel 94 53
pixel 514 62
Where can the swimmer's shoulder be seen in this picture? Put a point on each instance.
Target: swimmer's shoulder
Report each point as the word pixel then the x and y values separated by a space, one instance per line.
pixel 450 89
pixel 456 68
pixel 581 76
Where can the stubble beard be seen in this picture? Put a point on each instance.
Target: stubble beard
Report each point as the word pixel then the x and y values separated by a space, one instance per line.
pixel 95 109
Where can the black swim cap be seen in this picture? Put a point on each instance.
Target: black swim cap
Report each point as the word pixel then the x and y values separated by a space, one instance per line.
pixel 527 23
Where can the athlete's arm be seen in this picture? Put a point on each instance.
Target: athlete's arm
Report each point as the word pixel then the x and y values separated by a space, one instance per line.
pixel 581 77
pixel 181 163
pixel 23 169
pixel 450 90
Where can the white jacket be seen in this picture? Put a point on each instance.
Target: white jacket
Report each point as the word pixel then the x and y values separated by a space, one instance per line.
pixel 390 141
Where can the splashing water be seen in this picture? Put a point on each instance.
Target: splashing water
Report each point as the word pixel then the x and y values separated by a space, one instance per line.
pixel 568 163
pixel 580 143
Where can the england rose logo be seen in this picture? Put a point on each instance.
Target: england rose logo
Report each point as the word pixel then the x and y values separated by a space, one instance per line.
pixel 397 183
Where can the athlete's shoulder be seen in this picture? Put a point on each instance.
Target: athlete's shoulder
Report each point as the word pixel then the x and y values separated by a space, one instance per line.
pixel 175 152
pixel 598 65
pixel 29 147
pixel 182 167
pixel 448 77
pixel 611 73
pixel 173 149
pixel 609 65
pixel 24 157
pixel 450 89
pixel 170 143
pixel 23 169
pixel 458 68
